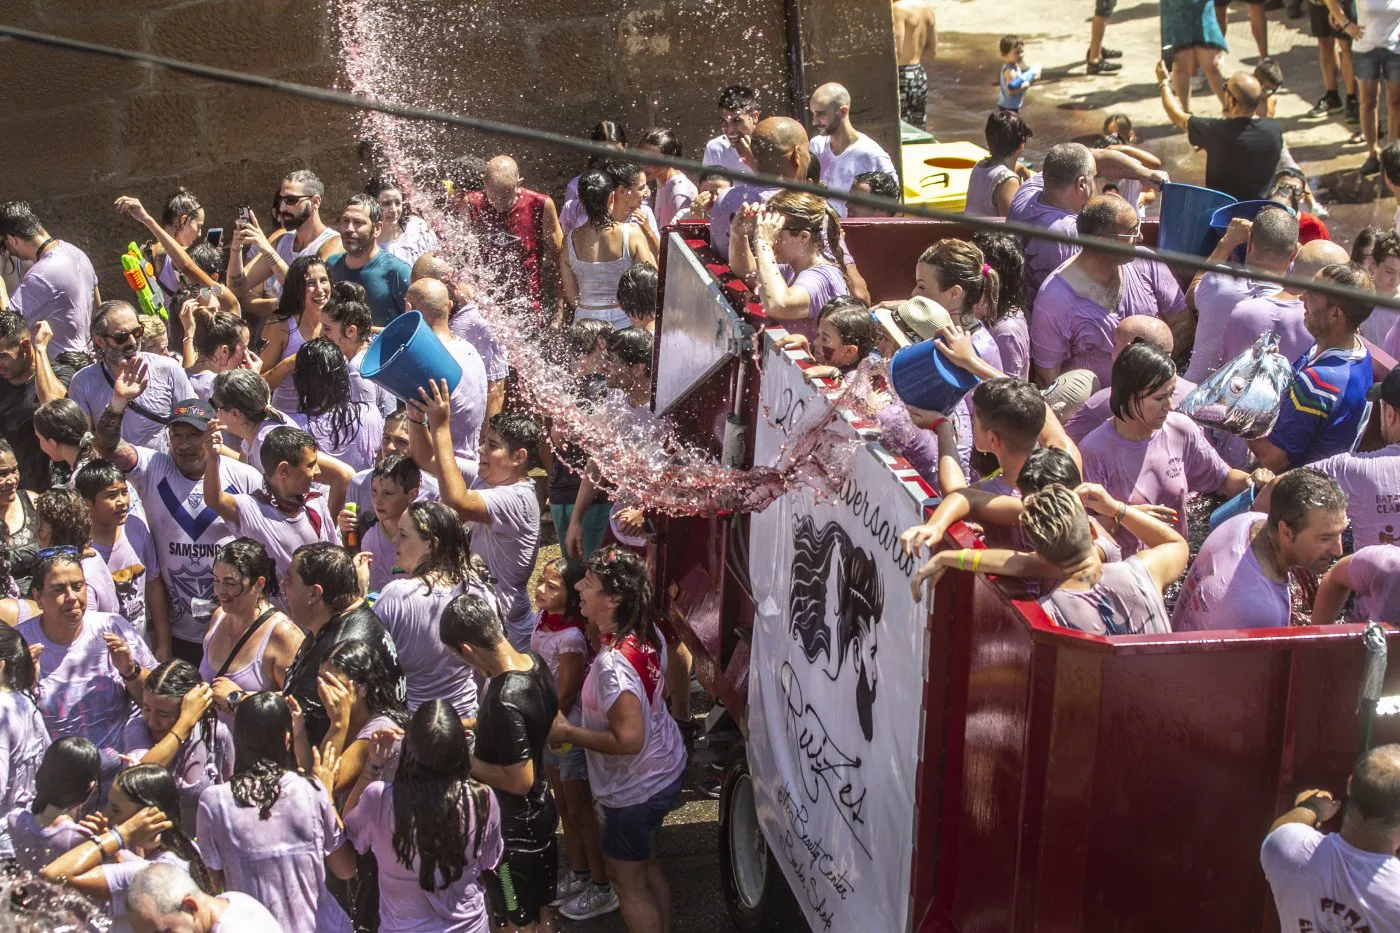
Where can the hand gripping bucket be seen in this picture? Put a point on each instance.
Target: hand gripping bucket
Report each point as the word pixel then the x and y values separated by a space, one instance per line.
pixel 1245 210
pixel 1186 216
pixel 924 378
pixel 406 356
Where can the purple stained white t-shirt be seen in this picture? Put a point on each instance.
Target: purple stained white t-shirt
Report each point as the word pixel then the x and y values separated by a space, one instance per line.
pixel 1176 460
pixel 1375 578
pixel 404 907
pixel 1096 410
pixel 1042 256
pixel 822 283
pixel 276 420
pixel 1069 331
pixel 410 612
pixel 23 739
pixel 673 197
pixel 167 385
pixel 466 322
pixel 468 400
pixel 551 646
pixel 367 390
pixel 1217 296
pixel 384 567
pixel 101 591
pixel 80 690
pixel 245 915
pixel 128 865
pixel 130 561
pixel 1013 338
pixel 1125 601
pixel 202 383
pixel 279 861
pixel 359 441
pixel 1226 587
pixel 1371 481
pixel 204 759
pixel 281 534
pixel 59 289
pixel 34 845
pixel 509 543
pixel 1257 315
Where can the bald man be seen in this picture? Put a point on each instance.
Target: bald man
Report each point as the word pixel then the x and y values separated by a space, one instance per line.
pixel 518 242
pixel 1095 411
pixel 431 298
pixel 1242 149
pixel 842 152
pixel 1348 879
pixel 467 323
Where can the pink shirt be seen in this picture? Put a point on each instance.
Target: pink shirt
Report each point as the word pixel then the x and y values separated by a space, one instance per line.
pixel 1375 576
pixel 1072 332
pixel 1371 481
pixel 1226 587
pixel 1257 315
pixel 552 645
pixel 1175 460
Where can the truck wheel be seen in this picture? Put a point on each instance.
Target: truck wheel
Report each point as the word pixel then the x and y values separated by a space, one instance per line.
pixel 755 891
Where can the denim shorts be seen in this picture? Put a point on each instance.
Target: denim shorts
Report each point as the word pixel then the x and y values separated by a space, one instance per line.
pixel 1372 65
pixel 629 833
pixel 572 765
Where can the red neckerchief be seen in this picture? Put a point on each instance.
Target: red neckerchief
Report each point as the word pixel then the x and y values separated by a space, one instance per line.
pixel 643 657
pixel 558 622
pixel 291 509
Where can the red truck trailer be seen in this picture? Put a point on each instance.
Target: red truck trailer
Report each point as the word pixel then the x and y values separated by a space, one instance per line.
pixel 963 765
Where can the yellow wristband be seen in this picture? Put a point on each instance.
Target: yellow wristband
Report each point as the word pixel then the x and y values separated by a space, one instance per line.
pixel 976 560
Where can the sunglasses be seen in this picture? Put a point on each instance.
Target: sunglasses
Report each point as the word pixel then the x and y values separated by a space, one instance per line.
pixel 57 549
pixel 289 199
pixel 122 336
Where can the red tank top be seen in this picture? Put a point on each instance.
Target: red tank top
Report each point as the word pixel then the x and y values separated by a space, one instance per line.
pixel 510 245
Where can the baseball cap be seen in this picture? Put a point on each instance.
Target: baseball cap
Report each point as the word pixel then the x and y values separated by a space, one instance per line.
pixel 1388 389
pixel 192 411
pixel 917 319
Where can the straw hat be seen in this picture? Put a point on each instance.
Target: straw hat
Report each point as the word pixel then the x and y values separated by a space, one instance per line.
pixel 917 319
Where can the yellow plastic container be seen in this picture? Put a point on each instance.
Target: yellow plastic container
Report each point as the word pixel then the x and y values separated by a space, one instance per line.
pixel 937 174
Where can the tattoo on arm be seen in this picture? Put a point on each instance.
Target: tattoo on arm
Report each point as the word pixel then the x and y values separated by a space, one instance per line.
pixel 108 439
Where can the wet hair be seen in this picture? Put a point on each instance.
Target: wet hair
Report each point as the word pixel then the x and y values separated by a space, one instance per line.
pixel 285 445
pixel 67 775
pixel 321 375
pixel 881 184
pixel 958 262
pixel 1101 214
pixel 519 430
pixel 19 675
pixel 1118 124
pixel 95 476
pixel 470 620
pixel 289 306
pixel 571 571
pixel 1387 246
pixel 330 567
pixel 243 391
pixel 175 678
pixel 399 470
pixel 1046 465
pixel 623 574
pixel 1141 369
pixel 1006 132
pixel 814 215
pixel 608 131
pixel 632 346
pixel 1375 787
pixel 666 141
pixel 1009 42
pixel 368 204
pixel 1268 72
pixel 220 330
pixel 377 672
pixel 17 219
pixel 439 811
pixel 105 310
pixel 1003 253
pixel 209 258
pixel 1274 232
pixel 1014 409
pixel 583 337
pixel 1066 163
pixel 13 328
pixel 251 560
pixel 623 173
pixel 595 186
pixel 348 308
pixel 308 180
pixel 1356 310
pixel 153 786
pixel 261 723
pixel 738 97
pixel 182 203
pixel 448 544
pixel 67 516
pixel 853 323
pixel 1364 243
pixel 1056 525
pixel 704 177
pixel 45 565
pixel 63 421
pixel 1301 491
pixel 1390 163
pixel 636 291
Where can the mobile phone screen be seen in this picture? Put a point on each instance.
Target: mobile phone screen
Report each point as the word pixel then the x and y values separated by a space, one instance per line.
pixel 215 235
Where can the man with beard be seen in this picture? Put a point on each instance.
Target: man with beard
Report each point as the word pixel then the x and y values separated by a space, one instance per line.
pixel 298 210
pixel 116 334
pixel 384 276
pixel 170 485
pixel 739 114
pixel 843 152
pixel 60 286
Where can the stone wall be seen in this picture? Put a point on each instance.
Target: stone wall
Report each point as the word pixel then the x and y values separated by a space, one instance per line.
pixel 76 131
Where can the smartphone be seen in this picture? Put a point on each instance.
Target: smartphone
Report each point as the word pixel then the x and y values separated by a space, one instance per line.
pixel 257 344
pixel 215 235
pixel 243 214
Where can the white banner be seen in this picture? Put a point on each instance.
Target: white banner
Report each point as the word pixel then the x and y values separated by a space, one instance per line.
pixel 836 690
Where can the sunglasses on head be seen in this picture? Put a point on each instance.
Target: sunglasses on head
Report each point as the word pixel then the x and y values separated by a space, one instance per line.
pixel 57 549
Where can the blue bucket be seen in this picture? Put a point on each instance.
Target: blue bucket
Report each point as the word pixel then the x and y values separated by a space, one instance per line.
pixel 406 356
pixel 924 378
pixel 1245 210
pixel 1236 506
pixel 1185 219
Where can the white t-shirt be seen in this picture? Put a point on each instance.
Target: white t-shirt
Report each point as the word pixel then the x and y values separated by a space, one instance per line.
pixel 186 531
pixel 245 915
pixel 1381 20
pixel 130 560
pixel 673 197
pixel 1321 883
pixel 281 534
pixel 410 612
pixel 839 171
pixel 168 384
pixel 551 645
pixel 509 544
pixel 468 399
pixel 719 151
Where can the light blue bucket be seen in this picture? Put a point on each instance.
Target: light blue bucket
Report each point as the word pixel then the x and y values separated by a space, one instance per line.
pixel 406 356
pixel 1245 210
pixel 924 378
pixel 1236 506
pixel 1185 218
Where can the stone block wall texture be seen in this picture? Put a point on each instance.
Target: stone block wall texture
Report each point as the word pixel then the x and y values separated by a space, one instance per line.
pixel 76 131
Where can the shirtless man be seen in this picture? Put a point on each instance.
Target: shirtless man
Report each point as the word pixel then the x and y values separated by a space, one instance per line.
pixel 915 41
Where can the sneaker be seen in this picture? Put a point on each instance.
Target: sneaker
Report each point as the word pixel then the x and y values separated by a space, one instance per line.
pixel 1371 166
pixel 1329 102
pixel 568 887
pixel 1103 67
pixel 592 901
pixel 1110 53
pixel 1353 108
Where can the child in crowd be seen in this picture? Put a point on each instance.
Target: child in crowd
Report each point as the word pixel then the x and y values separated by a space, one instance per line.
pixel 1119 136
pixel 636 295
pixel 846 334
pixel 587 359
pixel 394 485
pixel 1015 78
pixel 711 188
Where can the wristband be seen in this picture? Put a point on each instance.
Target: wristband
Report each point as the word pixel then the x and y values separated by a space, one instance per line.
pixel 101 854
pixel 976 560
pixel 121 840
pixel 1122 513
pixel 135 673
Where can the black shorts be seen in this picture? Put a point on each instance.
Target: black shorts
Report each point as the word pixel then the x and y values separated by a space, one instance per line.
pixel 1104 8
pixel 1322 27
pixel 533 876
